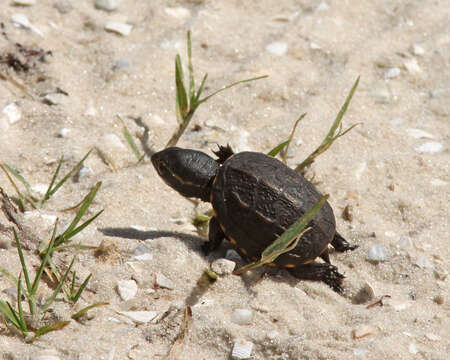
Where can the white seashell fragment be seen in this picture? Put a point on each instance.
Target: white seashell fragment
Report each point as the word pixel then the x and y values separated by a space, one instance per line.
pixel 223 266
pixel 392 73
pixel 179 13
pixel 417 50
pixel 242 349
pixel 113 140
pixel 278 48
pixel 144 257
pixel 22 20
pixel 63 132
pixel 433 337
pixel 140 317
pixel 412 66
pixel 242 316
pixel 377 253
pixel 164 282
pixel 363 331
pixel 419 134
pixel 108 5
pixel 13 113
pixel 127 289
pixel 119 28
pixel 430 147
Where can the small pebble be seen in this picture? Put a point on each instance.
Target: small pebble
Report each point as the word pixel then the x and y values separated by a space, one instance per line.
pixel 179 13
pixel 419 134
pixel 113 140
pixel 127 289
pixel 364 294
pixel 140 317
pixel 223 266
pixel 377 253
pixel 119 28
pixel 242 316
pixel 13 113
pixel 22 20
pixel 63 132
pixel 405 243
pixel 141 249
pixel 381 95
pixel 347 214
pixel 233 255
pixel 277 48
pixel 412 66
pixel 439 299
pixel 433 337
pixel 164 282
pixel 108 5
pixel 242 349
pixel 417 50
pixel 392 73
pixel 24 2
pixel 363 331
pixel 440 273
pixel 144 257
pixel 412 348
pixel 314 46
pixel 121 64
pixel 430 147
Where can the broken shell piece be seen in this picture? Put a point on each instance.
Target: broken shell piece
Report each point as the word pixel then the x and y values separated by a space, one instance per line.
pixel 119 28
pixel 22 20
pixel 363 331
pixel 242 349
pixel 127 289
pixel 140 317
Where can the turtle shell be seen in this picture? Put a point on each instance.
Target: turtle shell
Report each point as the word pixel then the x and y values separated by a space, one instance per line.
pixel 256 198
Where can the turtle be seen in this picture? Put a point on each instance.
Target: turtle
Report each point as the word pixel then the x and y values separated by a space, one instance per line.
pixel 255 198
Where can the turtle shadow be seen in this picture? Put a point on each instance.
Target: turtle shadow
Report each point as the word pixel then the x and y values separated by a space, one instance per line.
pixel 193 242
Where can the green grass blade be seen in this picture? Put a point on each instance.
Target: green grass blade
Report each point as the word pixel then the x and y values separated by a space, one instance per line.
pixel 331 137
pixel 9 312
pixel 288 240
pixel 57 289
pixel 75 297
pixel 285 150
pixel 31 199
pixel 48 328
pixel 131 142
pixel 65 178
pixel 72 286
pixel 83 208
pixel 21 197
pixel 230 86
pixel 85 310
pixel 9 275
pixel 274 152
pixel 194 104
pixel 181 96
pixel 52 181
pixel 22 261
pixel 23 323
pixel 75 231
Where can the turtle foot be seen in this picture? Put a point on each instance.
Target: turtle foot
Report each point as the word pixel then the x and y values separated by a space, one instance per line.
pixel 324 272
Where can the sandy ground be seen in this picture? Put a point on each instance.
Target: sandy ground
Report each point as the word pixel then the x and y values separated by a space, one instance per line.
pixel 392 169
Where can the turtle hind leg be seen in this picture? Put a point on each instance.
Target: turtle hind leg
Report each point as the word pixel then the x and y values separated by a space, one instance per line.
pixel 340 244
pixel 223 153
pixel 325 272
pixel 216 235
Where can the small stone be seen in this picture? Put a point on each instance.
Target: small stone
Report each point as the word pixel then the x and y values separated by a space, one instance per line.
pixel 277 48
pixel 22 20
pixel 405 243
pixel 24 2
pixel 121 64
pixel 164 282
pixel 108 5
pixel 12 112
pixel 347 214
pixel 417 50
pixel 179 13
pixel 314 46
pixel 412 66
pixel 63 132
pixel 140 317
pixel 440 273
pixel 377 253
pixel 141 249
pixel 223 266
pixel 364 294
pixel 53 99
pixel 272 335
pixel 113 140
pixel 119 28
pixel 233 255
pixel 127 289
pixel 144 257
pixel 242 316
pixel 242 349
pixel 412 348
pixel 430 147
pixel 363 331
pixel 433 337
pixel 392 73
pixel 381 95
pixel 419 134
pixel 83 173
pixel 439 299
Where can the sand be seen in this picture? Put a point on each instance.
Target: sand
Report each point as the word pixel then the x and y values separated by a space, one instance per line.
pixel 392 169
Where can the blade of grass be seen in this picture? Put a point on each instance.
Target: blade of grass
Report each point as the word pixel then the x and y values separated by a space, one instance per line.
pixel 23 323
pixel 288 240
pixel 274 152
pixel 19 177
pixel 181 96
pixel 285 150
pixel 70 234
pixel 52 181
pixel 75 297
pixel 331 137
pixel 22 262
pixel 21 198
pixel 17 322
pixel 51 190
pixel 9 312
pixel 48 328
pixel 130 140
pixel 87 308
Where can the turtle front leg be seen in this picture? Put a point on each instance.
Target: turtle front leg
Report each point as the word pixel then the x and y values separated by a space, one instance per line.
pixel 325 272
pixel 340 244
pixel 216 235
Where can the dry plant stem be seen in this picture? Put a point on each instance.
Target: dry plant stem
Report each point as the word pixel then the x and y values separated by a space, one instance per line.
pixel 331 137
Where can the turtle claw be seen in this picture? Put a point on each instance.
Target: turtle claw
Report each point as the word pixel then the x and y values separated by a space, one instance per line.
pixel 325 272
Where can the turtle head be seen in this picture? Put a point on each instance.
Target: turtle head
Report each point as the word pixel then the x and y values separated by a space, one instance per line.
pixel 187 171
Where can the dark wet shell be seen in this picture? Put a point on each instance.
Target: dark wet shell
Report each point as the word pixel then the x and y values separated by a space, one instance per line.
pixel 256 198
